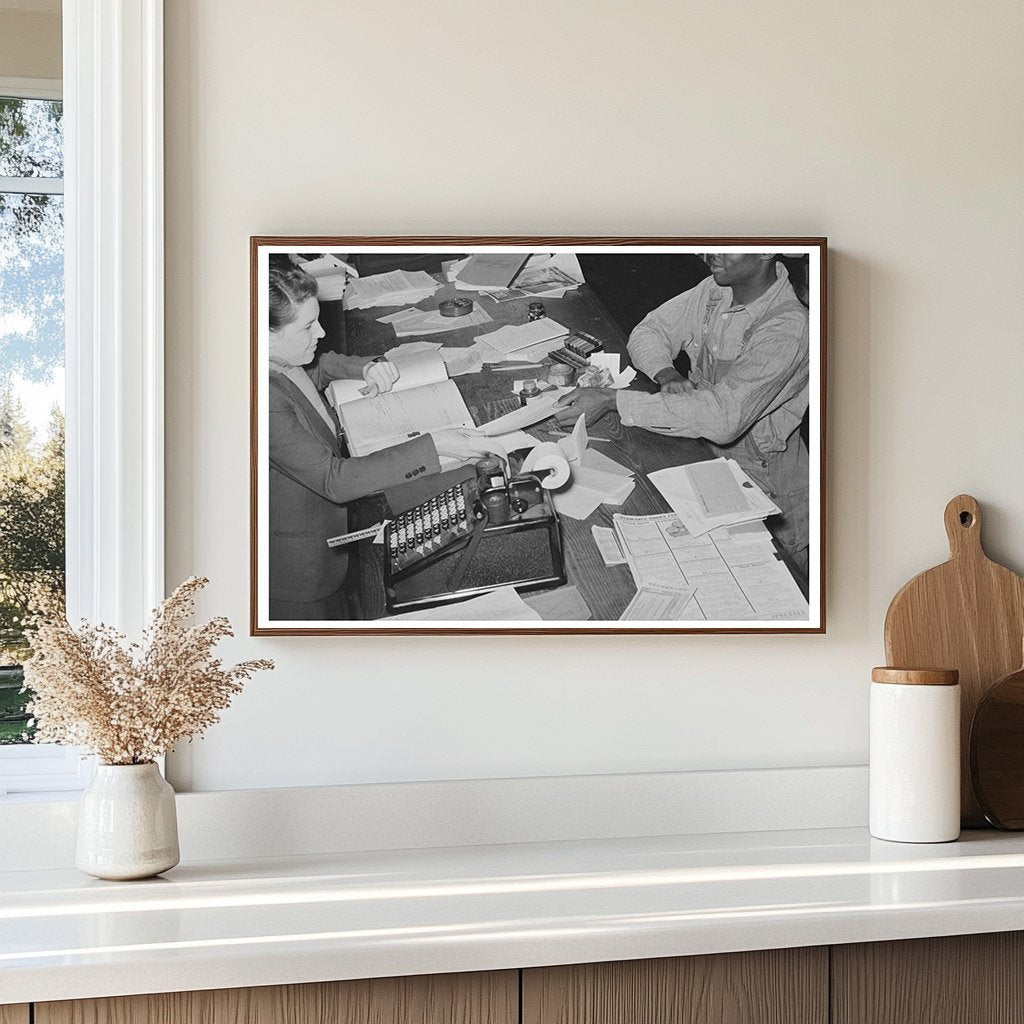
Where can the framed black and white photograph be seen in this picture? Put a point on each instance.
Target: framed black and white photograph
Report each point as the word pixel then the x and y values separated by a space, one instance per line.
pixel 537 435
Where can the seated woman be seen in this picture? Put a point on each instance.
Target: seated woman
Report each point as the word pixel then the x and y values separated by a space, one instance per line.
pixel 310 479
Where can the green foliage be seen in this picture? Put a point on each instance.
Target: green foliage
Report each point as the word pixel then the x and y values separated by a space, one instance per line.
pixel 31 544
pixel 14 727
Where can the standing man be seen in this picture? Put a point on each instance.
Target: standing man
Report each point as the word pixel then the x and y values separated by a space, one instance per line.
pixel 746 334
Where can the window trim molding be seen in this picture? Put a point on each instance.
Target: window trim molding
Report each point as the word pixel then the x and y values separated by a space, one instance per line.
pixel 32 88
pixel 114 330
pixel 113 110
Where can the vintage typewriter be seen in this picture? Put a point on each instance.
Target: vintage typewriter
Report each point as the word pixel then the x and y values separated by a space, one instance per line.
pixel 455 536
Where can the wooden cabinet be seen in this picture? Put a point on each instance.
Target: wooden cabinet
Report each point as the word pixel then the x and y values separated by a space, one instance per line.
pixel 962 979
pixel 967 979
pixel 778 986
pixel 491 998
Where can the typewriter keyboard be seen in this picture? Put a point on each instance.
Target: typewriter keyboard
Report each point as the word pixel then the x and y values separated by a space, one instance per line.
pixel 428 528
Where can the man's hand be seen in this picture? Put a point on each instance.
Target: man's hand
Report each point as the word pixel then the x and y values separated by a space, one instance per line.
pixel 672 382
pixel 592 402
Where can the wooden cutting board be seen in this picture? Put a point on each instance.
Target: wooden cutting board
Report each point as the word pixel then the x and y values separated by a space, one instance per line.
pixel 967 614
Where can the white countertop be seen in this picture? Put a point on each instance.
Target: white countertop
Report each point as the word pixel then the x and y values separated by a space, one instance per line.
pixel 356 915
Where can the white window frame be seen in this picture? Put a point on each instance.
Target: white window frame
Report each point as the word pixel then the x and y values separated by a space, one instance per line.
pixel 114 324
pixel 37 767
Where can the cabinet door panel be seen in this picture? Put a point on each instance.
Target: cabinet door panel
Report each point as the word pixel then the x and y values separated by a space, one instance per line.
pixel 960 979
pixel 14 1014
pixel 483 998
pixel 778 986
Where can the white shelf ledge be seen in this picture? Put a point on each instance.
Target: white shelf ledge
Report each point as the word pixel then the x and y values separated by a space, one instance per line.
pixel 386 913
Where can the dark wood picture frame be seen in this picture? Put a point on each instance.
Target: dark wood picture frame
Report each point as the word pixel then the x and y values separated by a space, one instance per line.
pixel 816 302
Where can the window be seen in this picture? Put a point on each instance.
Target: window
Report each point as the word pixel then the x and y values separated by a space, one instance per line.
pixel 113 330
pixel 32 532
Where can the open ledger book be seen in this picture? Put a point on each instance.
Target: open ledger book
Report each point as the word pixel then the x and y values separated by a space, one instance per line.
pixel 422 400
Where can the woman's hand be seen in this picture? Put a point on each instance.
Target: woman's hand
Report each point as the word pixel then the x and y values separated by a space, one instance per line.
pixel 465 444
pixel 379 377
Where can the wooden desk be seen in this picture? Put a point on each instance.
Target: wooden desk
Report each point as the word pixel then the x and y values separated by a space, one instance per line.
pixel 488 394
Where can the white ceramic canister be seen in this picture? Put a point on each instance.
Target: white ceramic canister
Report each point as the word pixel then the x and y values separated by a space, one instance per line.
pixel 915 755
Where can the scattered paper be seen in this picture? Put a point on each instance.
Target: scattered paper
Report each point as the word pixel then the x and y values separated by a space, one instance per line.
pixel 717 489
pixel 542 409
pixel 539 281
pixel 410 347
pixel 576 443
pixel 461 361
pixel 754 532
pixel 538 262
pixel 604 538
pixel 513 337
pixel 593 459
pixel 350 538
pixel 689 491
pixel 503 604
pixel 485 270
pixel 576 502
pixel 733 580
pixel 565 604
pixel 488 353
pixel 535 353
pixel 409 322
pixel 395 288
pixel 655 602
pixel 515 440
pixel 614 489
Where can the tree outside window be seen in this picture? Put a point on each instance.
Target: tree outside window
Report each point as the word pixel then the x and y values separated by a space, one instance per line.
pixel 32 535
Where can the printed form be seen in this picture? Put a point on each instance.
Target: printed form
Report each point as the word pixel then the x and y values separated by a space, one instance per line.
pixel 735 577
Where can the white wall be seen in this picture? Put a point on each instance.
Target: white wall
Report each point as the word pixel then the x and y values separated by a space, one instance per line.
pixel 894 129
pixel 30 41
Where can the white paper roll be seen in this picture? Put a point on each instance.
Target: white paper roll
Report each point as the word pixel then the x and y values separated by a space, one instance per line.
pixel 548 457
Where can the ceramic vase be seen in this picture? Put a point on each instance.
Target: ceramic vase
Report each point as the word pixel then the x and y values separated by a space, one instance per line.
pixel 127 825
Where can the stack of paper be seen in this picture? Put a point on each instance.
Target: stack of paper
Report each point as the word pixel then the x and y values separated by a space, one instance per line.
pixel 658 602
pixel 331 275
pixel 534 283
pixel 545 275
pixel 532 355
pixel 395 288
pixel 706 495
pixel 514 337
pixel 409 322
pixel 487 270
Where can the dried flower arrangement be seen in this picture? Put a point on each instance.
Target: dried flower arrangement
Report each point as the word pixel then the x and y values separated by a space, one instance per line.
pixel 130 703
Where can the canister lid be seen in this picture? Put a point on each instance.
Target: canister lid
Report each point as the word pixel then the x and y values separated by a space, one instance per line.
pixel 916 676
